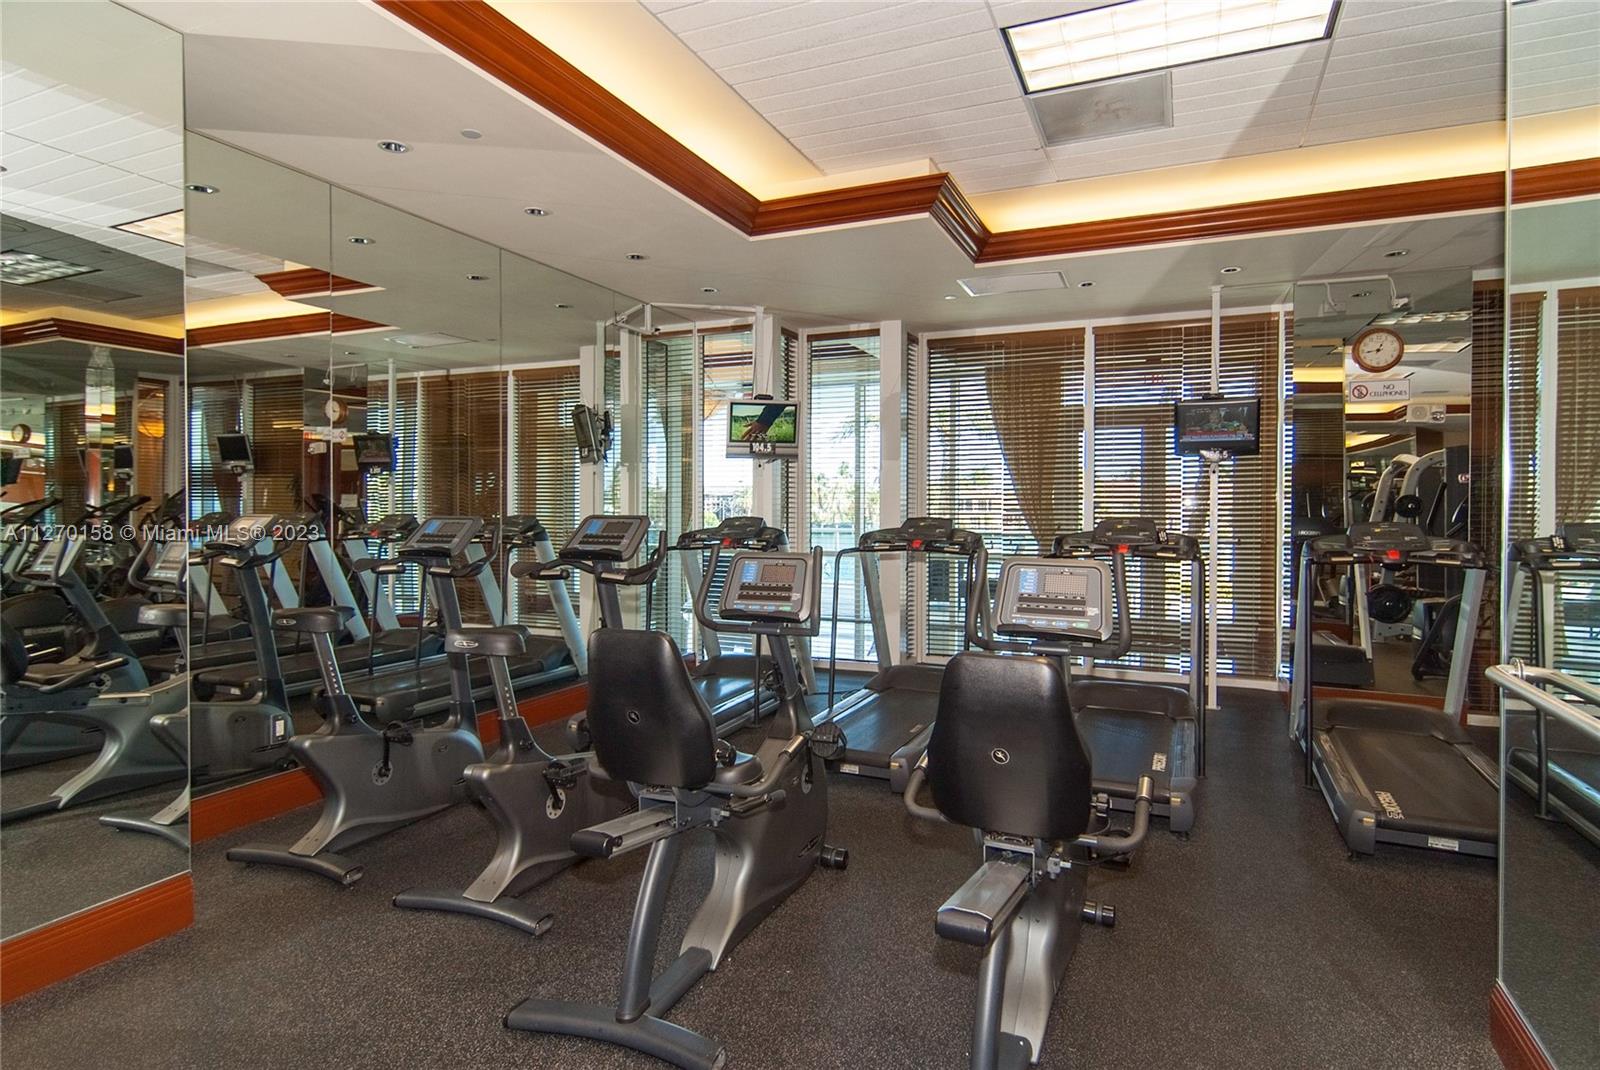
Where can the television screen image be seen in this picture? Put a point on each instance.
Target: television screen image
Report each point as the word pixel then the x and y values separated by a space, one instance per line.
pixel 374 451
pixel 122 458
pixel 1226 425
pixel 234 449
pixel 763 428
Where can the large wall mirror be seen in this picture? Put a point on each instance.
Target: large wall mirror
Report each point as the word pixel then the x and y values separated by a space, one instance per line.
pixel 93 735
pixel 1550 854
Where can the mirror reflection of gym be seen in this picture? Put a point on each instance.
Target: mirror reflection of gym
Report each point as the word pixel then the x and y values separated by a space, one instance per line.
pixel 1384 432
pixel 93 735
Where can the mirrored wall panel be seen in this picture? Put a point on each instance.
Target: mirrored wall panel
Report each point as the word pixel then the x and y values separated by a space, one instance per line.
pixel 1550 759
pixel 93 705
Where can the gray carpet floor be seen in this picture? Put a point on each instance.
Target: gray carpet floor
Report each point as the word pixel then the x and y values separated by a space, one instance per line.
pixel 1257 943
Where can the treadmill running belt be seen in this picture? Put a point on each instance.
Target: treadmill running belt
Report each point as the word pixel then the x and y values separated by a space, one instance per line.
pixel 1421 784
pixel 301 669
pixel 884 721
pixel 1123 745
pixel 391 696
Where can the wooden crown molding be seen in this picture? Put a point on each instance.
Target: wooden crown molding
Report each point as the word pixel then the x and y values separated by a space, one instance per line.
pixel 81 941
pixel 51 328
pixel 282 327
pixel 482 36
pixel 1513 1041
pixel 310 282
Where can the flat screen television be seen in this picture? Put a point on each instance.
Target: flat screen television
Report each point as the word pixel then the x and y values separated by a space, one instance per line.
pixel 762 428
pixel 1227 425
pixel 234 449
pixel 10 470
pixel 374 451
pixel 122 458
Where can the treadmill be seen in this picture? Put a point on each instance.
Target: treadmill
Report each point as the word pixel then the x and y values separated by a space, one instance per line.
pixel 415 689
pixel 887 723
pixel 1396 772
pixel 1550 759
pixel 727 682
pixel 1135 728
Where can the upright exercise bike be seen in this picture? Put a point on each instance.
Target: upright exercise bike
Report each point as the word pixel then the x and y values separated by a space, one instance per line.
pixel 377 779
pixel 1006 759
pixel 768 812
pixel 538 800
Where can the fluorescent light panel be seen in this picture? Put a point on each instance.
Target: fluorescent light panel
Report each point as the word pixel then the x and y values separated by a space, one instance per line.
pixel 167 227
pixel 1148 35
pixel 25 269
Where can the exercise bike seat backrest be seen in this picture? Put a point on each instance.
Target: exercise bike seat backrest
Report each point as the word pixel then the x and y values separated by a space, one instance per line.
pixel 13 658
pixel 649 724
pixel 1005 755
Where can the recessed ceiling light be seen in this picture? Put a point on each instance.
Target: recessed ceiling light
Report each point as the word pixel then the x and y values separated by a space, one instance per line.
pixel 637 256
pixel 201 187
pixel 166 227
pixel 1362 293
pixel 358 240
pixel 477 278
pixel 1394 253
pixel 949 297
pixel 394 146
pixel 708 289
pixel 1085 284
pixel 25 269
pixel 471 134
pixel 562 304
pixel 536 211
pixel 1232 270
pixel 1148 35
pixel 349 352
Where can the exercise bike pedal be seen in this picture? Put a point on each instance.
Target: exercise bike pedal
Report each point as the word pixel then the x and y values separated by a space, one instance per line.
pixel 833 857
pixel 1103 914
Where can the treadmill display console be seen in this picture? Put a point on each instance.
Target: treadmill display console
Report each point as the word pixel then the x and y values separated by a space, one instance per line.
pixel 1050 598
pixel 442 536
pixel 1580 538
pixel 247 530
pixel 768 586
pixel 1392 539
pixel 919 533
pixel 751 532
pixel 167 569
pixel 607 538
pixel 1127 531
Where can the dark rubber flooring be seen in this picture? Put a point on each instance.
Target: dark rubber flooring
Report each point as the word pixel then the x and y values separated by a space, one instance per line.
pixel 1257 943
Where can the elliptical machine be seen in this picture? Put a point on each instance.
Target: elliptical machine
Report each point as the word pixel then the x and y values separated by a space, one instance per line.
pixel 538 800
pixel 375 780
pixel 768 812
pixel 1006 760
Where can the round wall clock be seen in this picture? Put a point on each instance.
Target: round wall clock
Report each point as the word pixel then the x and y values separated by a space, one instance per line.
pixel 1377 349
pixel 21 433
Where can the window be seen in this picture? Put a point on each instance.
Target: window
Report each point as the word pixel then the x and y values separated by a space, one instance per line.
pixel 213 411
pixel 544 473
pixel 669 371
pixel 276 411
pixel 1577 473
pixel 842 439
pixel 1002 452
pixel 727 370
pixel 786 491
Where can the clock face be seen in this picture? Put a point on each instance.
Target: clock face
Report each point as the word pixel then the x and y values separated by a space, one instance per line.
pixel 1377 349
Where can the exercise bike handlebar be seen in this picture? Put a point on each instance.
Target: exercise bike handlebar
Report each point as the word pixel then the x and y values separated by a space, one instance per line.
pixel 703 614
pixel 769 778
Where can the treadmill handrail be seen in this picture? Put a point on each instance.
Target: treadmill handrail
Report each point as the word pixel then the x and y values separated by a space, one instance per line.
pixel 1536 686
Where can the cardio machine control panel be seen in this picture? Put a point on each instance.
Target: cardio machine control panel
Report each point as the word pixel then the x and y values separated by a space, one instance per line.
pixel 922 534
pixel 247 530
pixel 1392 539
pixel 769 585
pixel 606 538
pixel 1578 538
pixel 749 532
pixel 167 568
pixel 55 558
pixel 441 537
pixel 1051 598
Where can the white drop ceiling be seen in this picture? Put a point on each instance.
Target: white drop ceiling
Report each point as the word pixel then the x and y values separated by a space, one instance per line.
pixel 857 85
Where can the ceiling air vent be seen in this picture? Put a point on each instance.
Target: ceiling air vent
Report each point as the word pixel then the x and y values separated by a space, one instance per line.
pixel 1103 109
pixel 989 285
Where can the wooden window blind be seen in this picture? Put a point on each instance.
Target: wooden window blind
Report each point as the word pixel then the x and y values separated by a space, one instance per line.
pixel 1577 470
pixel 277 422
pixel 786 515
pixel 1521 473
pixel 214 409
pixel 669 367
pixel 544 473
pixel 842 492
pixel 727 371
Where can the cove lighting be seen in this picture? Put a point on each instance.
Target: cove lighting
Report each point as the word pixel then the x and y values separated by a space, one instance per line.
pixel 1149 35
pixel 25 269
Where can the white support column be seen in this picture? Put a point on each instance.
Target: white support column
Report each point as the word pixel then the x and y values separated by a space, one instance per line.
pixel 1545 487
pixel 591 475
pixel 1280 481
pixel 764 343
pixel 1088 428
pixel 917 435
pixel 630 468
pixel 891 470
pixel 1213 525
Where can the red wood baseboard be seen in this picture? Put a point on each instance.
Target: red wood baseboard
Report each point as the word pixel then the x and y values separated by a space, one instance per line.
pixel 94 936
pixel 1513 1040
pixel 232 808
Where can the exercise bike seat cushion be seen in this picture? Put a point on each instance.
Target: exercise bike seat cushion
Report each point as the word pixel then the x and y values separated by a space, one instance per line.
pixel 648 723
pixel 318 620
pixel 500 641
pixel 1005 755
